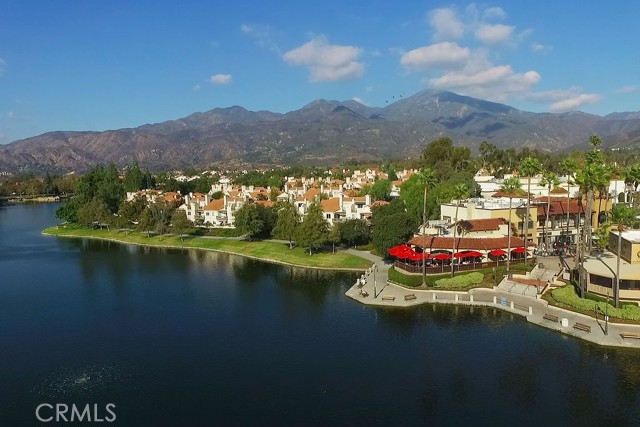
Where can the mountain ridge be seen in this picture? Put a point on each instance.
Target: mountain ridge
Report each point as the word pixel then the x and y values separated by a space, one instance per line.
pixel 321 132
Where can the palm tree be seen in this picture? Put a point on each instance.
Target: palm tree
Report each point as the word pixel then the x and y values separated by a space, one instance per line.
pixel 460 191
pixel 588 179
pixel 427 178
pixel 569 167
pixel 510 186
pixel 529 167
pixel 621 215
pixel 549 180
pixel 603 188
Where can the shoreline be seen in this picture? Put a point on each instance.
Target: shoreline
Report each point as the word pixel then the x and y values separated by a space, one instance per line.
pixel 169 246
pixel 534 309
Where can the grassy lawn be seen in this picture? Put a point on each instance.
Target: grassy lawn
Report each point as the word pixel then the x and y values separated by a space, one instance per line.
pixel 566 297
pixel 414 281
pixel 268 251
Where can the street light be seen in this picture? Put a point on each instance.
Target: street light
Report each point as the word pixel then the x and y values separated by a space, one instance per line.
pixel 606 317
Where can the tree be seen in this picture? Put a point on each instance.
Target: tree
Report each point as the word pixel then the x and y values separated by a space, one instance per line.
pixel 180 223
pixel 354 232
pixel 569 168
pixel 248 221
pixel 460 192
pixel 510 186
pixel 622 216
pixel 93 212
pixel 146 223
pixel 549 180
pixel 529 167
pixel 131 210
pixel 313 230
pixel 287 223
pixel 427 179
pixel 391 225
pixel 134 179
pixel 381 189
pixel 334 236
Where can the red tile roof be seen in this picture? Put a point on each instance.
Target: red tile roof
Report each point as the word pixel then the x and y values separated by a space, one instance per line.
pixel 330 205
pixel 466 243
pixel 489 224
pixel 215 205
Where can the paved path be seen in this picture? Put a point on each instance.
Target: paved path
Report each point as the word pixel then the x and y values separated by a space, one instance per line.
pixel 373 289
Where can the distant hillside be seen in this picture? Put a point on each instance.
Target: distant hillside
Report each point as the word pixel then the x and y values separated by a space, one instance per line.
pixel 320 133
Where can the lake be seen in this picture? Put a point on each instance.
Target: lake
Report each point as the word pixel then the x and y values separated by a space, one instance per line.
pixel 194 338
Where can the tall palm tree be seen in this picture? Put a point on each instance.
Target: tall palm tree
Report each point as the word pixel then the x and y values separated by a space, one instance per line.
pixel 460 191
pixel 511 187
pixel 588 178
pixel 569 167
pixel 427 178
pixel 603 189
pixel 551 181
pixel 621 215
pixel 529 167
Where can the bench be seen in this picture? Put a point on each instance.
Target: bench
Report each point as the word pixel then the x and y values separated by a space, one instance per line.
pixel 551 317
pixel 582 327
pixel 410 297
pixel 388 298
pixel 626 335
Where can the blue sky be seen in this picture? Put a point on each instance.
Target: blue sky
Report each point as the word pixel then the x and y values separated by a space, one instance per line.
pixel 97 65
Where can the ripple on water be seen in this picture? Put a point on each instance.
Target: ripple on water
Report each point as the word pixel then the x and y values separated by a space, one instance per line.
pixel 81 382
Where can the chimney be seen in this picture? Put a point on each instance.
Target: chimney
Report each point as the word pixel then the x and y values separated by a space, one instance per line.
pixel 207 199
pixel 341 200
pixel 471 209
pixel 367 199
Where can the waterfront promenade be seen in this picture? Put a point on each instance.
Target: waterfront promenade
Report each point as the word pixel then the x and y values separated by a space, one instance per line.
pixel 514 296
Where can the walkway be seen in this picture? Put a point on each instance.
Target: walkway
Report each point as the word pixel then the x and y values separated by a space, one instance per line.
pixel 372 288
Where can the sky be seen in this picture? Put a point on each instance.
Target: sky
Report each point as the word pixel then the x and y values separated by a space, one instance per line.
pixel 98 65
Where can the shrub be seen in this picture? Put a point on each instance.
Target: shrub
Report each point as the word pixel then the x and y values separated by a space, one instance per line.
pixel 461 281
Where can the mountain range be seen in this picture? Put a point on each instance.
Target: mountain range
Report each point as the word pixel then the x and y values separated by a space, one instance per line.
pixel 320 133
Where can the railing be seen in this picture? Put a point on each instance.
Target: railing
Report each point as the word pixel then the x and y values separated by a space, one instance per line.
pixel 417 269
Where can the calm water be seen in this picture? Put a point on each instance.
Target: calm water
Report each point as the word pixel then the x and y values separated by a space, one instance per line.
pixel 187 338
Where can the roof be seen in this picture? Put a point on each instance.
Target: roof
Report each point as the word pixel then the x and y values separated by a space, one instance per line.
pixel 558 207
pixel 265 203
pixel 215 205
pixel 465 243
pixel 489 224
pixel 517 194
pixel 330 205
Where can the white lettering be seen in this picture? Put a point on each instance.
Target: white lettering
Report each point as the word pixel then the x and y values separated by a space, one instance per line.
pixel 44 420
pixel 77 416
pixel 60 413
pixel 96 418
pixel 109 407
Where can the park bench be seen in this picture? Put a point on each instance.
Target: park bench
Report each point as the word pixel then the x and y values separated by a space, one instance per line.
pixel 410 297
pixel 626 335
pixel 551 317
pixel 582 327
pixel 388 298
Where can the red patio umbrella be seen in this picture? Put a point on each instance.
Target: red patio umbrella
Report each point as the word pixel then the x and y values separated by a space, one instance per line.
pixel 441 257
pixel 405 254
pixel 519 250
pixel 474 254
pixel 497 252
pixel 415 256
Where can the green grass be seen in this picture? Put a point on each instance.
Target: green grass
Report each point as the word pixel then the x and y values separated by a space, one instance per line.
pixel 566 297
pixel 267 251
pixel 469 280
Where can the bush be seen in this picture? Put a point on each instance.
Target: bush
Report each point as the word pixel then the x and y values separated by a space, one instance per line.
pixel 567 296
pixel 462 281
pixel 404 279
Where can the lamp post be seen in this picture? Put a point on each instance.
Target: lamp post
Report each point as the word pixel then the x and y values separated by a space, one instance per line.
pixel 374 280
pixel 616 291
pixel 606 316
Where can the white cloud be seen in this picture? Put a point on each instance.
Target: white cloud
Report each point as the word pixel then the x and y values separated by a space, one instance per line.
pixel 360 100
pixel 446 24
pixel 326 62
pixel 221 79
pixel 627 89
pixel 564 99
pixel 494 12
pixel 479 78
pixel 263 35
pixel 575 102
pixel 494 34
pixel 445 55
pixel 537 47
